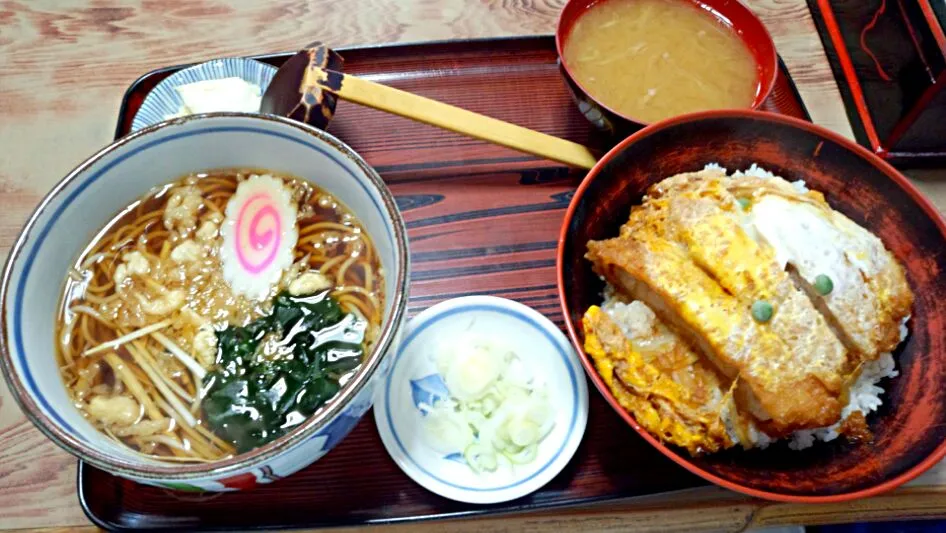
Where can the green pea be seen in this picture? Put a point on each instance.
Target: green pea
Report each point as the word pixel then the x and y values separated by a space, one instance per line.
pixel 823 285
pixel 743 202
pixel 762 311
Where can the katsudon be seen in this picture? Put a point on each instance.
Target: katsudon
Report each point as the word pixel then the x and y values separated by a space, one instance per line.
pixel 741 309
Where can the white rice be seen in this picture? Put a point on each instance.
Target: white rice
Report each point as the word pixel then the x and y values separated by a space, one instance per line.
pixel 865 393
pixel 864 397
pixel 756 171
pixel 716 166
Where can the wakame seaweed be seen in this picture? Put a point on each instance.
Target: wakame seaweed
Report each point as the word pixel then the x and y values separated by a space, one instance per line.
pixel 252 398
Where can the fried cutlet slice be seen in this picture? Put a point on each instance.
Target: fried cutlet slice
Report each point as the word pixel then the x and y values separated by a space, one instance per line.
pixel 782 395
pixel 671 391
pixel 716 241
pixel 698 212
pixel 869 298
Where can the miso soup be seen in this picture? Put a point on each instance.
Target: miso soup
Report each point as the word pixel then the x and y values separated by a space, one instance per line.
pixel 653 59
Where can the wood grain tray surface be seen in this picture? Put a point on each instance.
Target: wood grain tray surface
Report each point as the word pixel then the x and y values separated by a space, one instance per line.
pixel 482 220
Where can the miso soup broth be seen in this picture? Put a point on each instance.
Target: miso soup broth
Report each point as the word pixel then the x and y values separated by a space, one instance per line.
pixel 653 59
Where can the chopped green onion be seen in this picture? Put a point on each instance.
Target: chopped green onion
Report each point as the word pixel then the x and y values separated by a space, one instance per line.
pixel 524 434
pixel 527 455
pixel 480 458
pixel 490 403
pixel 743 202
pixel 762 311
pixel 493 415
pixel 823 285
pixel 507 447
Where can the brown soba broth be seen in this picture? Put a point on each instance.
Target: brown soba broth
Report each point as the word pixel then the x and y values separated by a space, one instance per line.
pixel 159 350
pixel 654 59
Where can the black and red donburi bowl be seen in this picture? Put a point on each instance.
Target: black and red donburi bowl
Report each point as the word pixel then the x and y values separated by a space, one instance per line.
pixel 910 428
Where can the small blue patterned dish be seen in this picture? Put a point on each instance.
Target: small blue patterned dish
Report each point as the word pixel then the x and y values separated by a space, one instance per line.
pixel 164 101
pixel 403 400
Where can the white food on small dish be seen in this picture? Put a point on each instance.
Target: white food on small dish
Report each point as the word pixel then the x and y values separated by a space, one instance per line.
pixel 226 94
pixel 165 101
pixel 502 365
pixel 497 414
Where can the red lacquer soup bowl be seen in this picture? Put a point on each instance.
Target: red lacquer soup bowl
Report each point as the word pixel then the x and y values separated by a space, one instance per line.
pixel 731 13
pixel 910 428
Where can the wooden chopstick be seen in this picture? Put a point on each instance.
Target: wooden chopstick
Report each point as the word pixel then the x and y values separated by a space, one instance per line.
pixel 449 117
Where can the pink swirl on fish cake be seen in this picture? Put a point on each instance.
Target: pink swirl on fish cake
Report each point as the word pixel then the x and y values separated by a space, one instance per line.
pixel 258 233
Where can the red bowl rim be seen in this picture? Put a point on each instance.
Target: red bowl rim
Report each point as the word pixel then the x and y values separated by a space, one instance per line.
pixel 768 84
pixel 928 208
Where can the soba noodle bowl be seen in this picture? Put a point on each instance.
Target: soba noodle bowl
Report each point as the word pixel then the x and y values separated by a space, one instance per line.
pixel 165 350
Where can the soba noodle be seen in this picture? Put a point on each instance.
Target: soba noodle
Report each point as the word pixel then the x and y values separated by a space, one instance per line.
pixel 139 303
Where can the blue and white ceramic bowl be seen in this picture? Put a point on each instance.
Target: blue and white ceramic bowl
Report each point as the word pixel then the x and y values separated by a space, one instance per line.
pixel 164 101
pixel 414 384
pixel 70 215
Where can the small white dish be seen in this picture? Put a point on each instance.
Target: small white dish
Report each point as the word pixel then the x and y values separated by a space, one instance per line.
pixel 164 101
pixel 413 380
